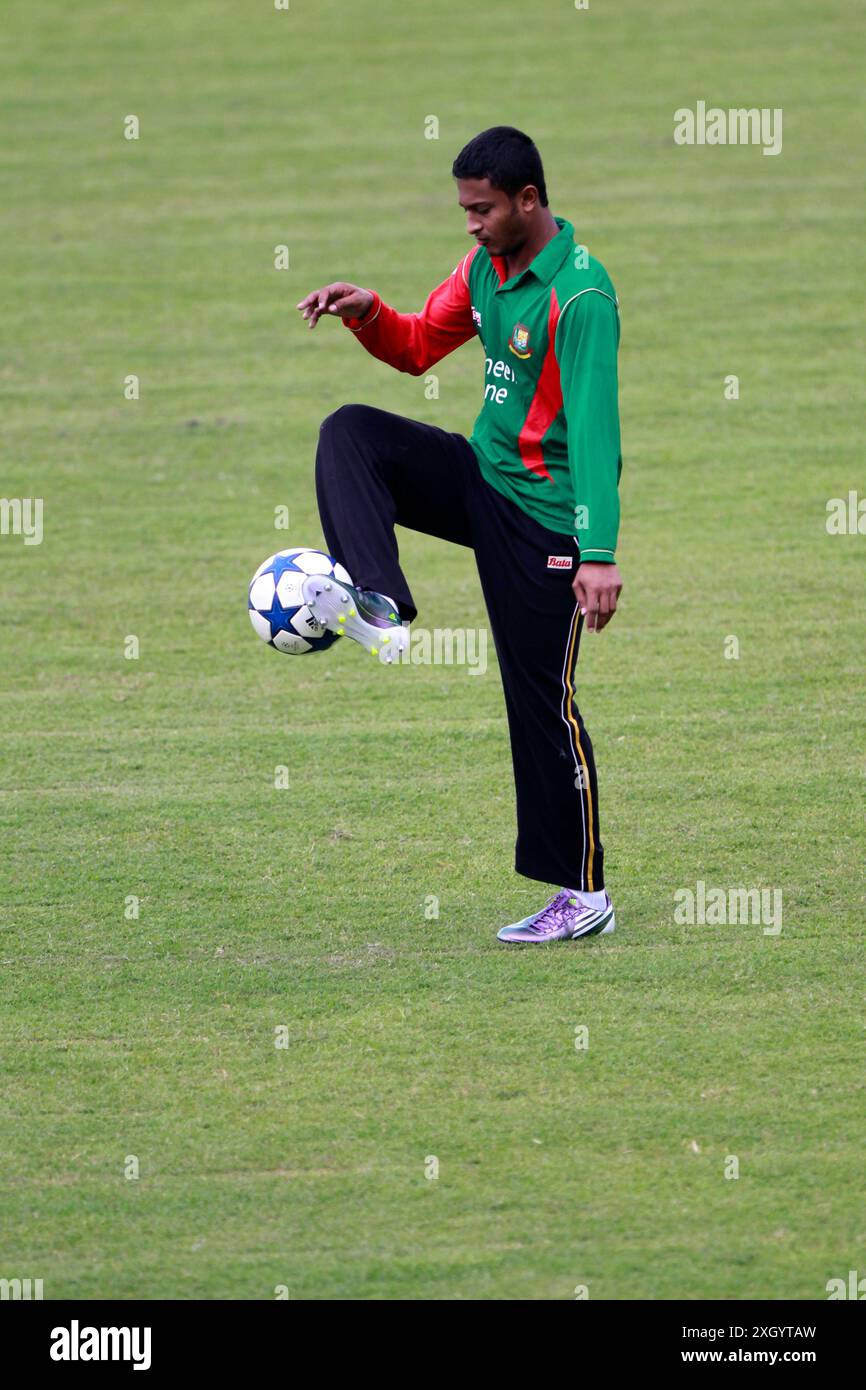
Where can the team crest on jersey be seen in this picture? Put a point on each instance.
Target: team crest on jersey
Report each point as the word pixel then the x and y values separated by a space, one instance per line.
pixel 518 343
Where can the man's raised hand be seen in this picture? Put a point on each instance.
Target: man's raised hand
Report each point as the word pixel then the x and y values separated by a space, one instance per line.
pixel 339 299
pixel 597 588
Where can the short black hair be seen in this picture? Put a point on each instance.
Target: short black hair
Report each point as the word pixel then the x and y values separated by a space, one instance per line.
pixel 506 157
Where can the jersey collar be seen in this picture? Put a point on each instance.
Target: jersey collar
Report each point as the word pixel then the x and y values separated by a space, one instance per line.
pixel 548 261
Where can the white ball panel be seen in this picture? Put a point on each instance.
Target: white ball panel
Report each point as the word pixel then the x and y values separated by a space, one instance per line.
pixel 313 562
pixel 261 625
pixel 262 592
pixel 289 590
pixel 290 642
pixel 341 573
pixel 304 622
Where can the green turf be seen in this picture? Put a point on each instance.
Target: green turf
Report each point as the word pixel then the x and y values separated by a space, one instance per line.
pixel 411 1037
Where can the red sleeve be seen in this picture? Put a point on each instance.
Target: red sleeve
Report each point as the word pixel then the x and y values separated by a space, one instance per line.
pixel 413 342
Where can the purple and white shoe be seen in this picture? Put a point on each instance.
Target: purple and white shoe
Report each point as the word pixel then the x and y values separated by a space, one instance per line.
pixel 373 619
pixel 564 918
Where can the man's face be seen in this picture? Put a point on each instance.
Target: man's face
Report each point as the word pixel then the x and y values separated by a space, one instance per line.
pixel 498 220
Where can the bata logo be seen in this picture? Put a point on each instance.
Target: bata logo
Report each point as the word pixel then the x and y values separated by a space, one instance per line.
pixel 560 562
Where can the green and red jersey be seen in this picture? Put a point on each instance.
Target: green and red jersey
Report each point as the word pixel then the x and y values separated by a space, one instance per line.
pixel 548 432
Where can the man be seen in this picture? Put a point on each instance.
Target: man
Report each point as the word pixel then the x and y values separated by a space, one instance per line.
pixel 533 492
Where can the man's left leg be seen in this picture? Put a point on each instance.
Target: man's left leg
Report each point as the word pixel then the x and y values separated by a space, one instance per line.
pixel 526 574
pixel 375 470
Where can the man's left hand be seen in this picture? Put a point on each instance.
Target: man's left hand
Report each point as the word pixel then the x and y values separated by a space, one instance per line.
pixel 597 588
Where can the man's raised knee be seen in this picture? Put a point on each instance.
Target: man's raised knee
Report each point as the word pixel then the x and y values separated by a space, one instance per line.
pixel 345 417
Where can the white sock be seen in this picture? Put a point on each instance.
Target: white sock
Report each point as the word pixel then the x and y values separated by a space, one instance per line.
pixel 593 900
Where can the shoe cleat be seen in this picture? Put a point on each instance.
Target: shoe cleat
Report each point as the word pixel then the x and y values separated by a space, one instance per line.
pixel 372 619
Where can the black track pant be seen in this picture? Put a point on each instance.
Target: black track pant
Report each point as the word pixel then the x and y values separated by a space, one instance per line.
pixel 374 469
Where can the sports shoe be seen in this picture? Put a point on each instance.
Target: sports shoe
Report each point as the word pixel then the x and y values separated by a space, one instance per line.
pixel 373 619
pixel 564 918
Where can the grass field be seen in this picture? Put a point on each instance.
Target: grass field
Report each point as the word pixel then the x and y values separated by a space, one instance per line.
pixel 153 778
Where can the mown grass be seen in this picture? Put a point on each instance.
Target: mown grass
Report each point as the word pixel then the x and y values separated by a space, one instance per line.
pixel 409 1036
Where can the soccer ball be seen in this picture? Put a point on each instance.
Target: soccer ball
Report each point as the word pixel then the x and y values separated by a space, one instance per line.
pixel 276 602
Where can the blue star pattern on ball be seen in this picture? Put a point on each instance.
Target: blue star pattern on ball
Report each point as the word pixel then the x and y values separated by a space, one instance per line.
pixel 276 603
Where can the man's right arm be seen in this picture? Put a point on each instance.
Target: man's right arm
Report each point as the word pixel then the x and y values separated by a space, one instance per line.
pixel 410 342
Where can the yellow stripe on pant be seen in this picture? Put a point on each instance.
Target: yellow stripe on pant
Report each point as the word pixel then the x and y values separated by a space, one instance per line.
pixel 577 622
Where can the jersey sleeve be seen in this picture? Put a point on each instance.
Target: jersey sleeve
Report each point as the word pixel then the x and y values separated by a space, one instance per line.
pixel 587 338
pixel 414 342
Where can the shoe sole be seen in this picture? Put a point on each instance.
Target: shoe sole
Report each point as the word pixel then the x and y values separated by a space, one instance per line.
pixel 601 928
pixel 331 604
